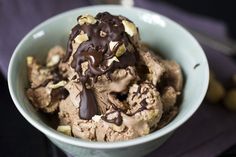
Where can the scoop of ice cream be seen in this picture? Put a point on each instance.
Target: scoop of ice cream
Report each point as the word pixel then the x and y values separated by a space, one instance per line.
pixel 101 44
pixel 107 86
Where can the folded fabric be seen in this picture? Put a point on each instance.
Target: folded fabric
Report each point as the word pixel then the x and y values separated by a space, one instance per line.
pixel 18 17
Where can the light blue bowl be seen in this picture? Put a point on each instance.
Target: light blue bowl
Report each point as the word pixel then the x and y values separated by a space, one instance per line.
pixel 173 41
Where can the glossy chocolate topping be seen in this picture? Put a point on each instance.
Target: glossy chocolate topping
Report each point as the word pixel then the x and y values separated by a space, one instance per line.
pixel 88 104
pixel 96 49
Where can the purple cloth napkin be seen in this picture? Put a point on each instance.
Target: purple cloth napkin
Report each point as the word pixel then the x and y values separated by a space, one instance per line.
pixel 212 128
pixel 18 17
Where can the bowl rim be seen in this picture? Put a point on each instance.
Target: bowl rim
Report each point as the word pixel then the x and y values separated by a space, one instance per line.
pixel 51 133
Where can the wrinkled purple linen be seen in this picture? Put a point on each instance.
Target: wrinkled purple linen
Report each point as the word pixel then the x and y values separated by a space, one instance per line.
pixel 207 133
pixel 18 17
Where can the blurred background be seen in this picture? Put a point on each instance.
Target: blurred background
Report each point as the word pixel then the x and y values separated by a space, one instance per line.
pixel 213 127
pixel 218 10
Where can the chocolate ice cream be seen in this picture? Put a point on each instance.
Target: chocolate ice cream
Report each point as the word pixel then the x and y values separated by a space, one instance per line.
pixel 107 86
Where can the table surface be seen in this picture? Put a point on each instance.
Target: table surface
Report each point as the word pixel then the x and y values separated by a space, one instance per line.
pixel 216 129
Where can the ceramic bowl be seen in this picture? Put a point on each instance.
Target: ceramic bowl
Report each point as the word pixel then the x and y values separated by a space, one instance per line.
pixel 161 33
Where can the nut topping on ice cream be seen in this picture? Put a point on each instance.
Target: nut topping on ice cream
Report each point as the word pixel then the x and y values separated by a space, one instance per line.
pixel 107 86
pixel 107 38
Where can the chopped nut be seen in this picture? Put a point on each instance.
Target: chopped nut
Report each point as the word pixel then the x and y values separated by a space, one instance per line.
pixel 112 44
pixel 84 67
pixel 112 115
pixel 56 50
pixel 53 60
pixel 118 128
pixel 96 118
pixel 57 85
pixel 130 28
pixel 81 38
pixel 87 19
pixel 121 50
pixel 65 129
pixel 29 60
pixel 109 62
pixel 103 34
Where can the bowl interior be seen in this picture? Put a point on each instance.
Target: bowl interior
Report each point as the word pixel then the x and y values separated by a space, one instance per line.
pixel 172 41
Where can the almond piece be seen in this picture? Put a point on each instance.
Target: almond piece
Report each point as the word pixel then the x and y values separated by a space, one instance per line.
pixel 87 19
pixel 130 28
pixel 65 129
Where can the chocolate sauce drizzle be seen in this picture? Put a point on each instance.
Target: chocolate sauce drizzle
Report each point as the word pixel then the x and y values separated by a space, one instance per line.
pixel 118 120
pixel 143 107
pixel 96 52
pixel 60 93
pixel 88 104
